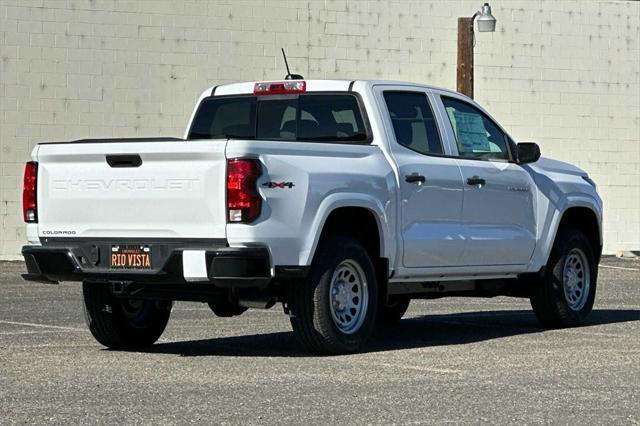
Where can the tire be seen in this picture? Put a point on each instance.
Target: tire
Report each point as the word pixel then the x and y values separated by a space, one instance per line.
pixel 123 323
pixel 393 311
pixel 339 322
pixel 558 302
pixel 225 309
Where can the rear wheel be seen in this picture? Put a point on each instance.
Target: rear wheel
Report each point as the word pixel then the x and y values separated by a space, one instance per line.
pixel 393 311
pixel 333 310
pixel 564 294
pixel 120 323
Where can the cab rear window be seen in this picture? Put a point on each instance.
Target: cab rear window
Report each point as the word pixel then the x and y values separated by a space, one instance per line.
pixel 311 117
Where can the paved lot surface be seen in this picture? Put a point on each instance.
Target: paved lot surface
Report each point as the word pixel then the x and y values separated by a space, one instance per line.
pixel 452 360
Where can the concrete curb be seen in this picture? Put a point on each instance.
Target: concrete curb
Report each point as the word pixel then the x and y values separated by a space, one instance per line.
pixel 11 259
pixel 628 254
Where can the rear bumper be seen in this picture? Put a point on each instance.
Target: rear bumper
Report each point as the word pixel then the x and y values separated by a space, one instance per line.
pixel 227 267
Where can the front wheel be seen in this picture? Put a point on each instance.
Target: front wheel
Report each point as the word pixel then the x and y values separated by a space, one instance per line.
pixel 333 311
pixel 120 323
pixel 564 293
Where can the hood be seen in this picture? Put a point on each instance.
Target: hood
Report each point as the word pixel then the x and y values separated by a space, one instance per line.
pixel 555 166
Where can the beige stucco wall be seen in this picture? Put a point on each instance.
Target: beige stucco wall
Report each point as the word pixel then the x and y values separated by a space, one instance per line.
pixel 562 73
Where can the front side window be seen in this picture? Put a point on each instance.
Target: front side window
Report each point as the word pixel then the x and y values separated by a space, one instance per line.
pixel 413 122
pixel 476 135
pixel 307 118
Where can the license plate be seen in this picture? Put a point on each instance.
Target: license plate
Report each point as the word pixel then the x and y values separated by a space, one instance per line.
pixel 130 257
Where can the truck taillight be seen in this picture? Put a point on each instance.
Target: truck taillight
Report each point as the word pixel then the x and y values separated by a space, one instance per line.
pixel 243 201
pixel 29 195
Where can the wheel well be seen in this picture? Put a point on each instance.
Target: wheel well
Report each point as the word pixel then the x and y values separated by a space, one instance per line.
pixel 586 221
pixel 360 223
pixel 356 222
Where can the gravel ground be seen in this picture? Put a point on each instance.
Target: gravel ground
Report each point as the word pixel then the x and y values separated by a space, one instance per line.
pixel 452 360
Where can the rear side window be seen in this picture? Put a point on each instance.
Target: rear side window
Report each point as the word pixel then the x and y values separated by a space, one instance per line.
pixel 413 122
pixel 308 117
pixel 233 117
pixel 476 135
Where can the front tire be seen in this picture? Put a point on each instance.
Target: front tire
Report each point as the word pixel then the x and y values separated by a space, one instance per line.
pixel 333 311
pixel 119 323
pixel 564 294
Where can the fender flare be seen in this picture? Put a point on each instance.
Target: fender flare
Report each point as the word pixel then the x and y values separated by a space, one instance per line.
pixel 543 250
pixel 339 200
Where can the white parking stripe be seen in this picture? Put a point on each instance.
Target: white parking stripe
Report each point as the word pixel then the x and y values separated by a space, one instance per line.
pixel 415 367
pixel 31 324
pixel 21 333
pixel 619 267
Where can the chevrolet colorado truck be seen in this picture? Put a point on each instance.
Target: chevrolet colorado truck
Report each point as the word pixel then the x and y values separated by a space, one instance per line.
pixel 341 200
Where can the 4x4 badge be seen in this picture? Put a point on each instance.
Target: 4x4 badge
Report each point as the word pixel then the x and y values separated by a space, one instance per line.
pixel 278 185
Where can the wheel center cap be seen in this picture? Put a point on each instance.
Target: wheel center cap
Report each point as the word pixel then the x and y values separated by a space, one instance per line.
pixel 340 296
pixel 570 278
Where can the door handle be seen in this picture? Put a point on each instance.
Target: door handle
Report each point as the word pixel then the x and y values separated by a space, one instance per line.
pixel 476 181
pixel 415 178
pixel 124 160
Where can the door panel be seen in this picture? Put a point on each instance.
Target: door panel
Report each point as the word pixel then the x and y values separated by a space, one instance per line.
pixel 431 212
pixel 430 183
pixel 498 216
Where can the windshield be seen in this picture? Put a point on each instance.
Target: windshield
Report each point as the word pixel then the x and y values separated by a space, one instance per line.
pixel 308 117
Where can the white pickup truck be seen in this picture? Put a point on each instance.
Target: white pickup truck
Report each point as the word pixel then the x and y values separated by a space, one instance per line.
pixel 342 200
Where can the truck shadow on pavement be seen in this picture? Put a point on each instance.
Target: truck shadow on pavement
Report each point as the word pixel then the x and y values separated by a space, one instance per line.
pixel 413 332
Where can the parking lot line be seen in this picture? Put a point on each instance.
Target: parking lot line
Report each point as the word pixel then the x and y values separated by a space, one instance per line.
pixel 31 324
pixel 415 368
pixel 619 267
pixel 23 332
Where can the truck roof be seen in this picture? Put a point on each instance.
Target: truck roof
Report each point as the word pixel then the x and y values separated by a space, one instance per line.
pixel 315 86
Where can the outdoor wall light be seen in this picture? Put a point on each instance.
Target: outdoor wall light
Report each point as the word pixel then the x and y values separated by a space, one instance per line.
pixel 486 21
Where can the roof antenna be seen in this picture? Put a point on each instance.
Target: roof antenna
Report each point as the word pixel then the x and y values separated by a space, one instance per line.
pixel 290 76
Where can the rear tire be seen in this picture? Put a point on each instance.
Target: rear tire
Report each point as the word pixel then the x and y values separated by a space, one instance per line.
pixel 393 311
pixel 333 310
pixel 564 293
pixel 123 323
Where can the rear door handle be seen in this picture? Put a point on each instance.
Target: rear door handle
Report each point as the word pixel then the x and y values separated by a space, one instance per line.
pixel 476 181
pixel 124 160
pixel 415 178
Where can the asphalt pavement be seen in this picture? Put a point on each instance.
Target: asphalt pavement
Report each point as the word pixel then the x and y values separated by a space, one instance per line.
pixel 455 360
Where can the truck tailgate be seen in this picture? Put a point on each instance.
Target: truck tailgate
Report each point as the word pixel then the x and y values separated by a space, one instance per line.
pixel 178 190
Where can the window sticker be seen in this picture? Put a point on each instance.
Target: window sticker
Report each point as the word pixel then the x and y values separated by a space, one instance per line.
pixel 470 131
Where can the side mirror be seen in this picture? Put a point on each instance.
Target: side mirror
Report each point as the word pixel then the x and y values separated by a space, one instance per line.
pixel 528 152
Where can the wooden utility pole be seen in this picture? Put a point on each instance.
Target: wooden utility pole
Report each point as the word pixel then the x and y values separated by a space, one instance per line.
pixel 465 57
